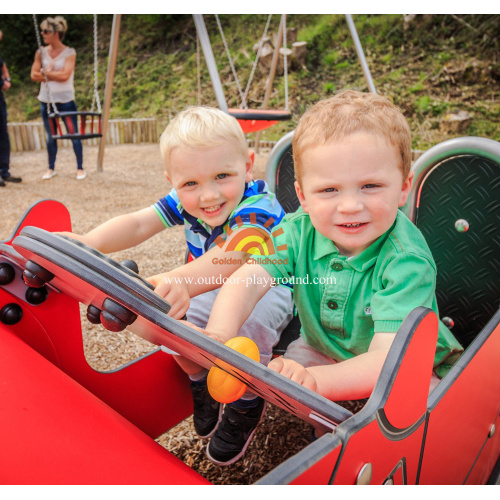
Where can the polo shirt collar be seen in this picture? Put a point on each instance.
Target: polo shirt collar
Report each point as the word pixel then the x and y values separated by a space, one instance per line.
pixel 323 247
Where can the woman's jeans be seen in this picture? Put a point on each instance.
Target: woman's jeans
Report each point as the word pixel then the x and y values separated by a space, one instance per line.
pixel 52 143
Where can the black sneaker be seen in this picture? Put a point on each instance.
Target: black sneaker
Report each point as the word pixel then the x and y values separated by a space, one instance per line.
pixel 234 433
pixel 207 412
pixel 12 179
pixel 2 183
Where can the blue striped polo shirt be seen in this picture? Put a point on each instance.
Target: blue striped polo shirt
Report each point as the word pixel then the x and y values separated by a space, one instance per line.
pixel 257 207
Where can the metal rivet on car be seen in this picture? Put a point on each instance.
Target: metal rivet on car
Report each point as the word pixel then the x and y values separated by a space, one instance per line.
pixel 448 321
pixel 365 474
pixel 461 225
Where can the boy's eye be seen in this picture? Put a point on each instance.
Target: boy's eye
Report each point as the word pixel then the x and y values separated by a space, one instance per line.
pixel 371 186
pixel 329 190
pixel 190 183
pixel 222 176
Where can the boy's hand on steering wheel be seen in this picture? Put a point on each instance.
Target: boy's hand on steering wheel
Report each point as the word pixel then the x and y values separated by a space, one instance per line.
pixel 176 294
pixel 212 335
pixel 294 371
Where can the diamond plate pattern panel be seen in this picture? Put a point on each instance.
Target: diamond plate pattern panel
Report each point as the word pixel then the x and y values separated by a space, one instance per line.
pixel 285 189
pixel 468 263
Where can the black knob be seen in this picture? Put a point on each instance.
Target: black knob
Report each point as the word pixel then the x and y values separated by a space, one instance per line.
pixel 118 311
pixel 94 314
pixel 10 314
pixel 36 296
pixel 115 317
pixel 36 276
pixel 7 273
pixel 130 264
pixel 112 323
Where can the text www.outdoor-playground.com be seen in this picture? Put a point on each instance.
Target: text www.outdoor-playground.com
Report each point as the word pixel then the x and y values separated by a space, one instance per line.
pixel 249 280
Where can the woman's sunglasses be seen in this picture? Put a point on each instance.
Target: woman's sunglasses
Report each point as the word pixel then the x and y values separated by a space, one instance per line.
pixel 46 32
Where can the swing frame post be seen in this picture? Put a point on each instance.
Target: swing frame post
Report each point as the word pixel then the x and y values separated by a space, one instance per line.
pixel 360 53
pixel 110 75
pixel 201 29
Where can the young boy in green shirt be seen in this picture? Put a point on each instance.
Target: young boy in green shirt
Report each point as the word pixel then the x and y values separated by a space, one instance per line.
pixel 358 265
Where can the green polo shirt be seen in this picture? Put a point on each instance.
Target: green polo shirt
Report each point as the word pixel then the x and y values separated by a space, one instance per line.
pixel 343 302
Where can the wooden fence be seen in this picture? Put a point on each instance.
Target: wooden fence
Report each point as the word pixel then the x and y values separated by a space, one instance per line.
pixel 31 136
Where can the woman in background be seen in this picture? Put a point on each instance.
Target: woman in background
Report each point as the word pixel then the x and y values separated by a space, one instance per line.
pixel 54 66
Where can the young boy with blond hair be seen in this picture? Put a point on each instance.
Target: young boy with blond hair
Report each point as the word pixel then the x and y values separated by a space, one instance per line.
pixel 215 198
pixel 358 264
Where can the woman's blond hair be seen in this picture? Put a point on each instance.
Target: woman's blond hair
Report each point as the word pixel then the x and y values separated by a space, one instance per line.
pixel 347 113
pixel 57 24
pixel 201 127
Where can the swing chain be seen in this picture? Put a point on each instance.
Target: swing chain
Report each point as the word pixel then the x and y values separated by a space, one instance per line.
pixel 236 79
pixel 95 98
pixel 51 102
pixel 285 63
pixel 198 67
pixel 259 51
pixel 244 95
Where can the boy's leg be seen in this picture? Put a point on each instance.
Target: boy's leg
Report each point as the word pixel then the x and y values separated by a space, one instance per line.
pixel 307 356
pixel 264 326
pixel 207 412
pixel 235 431
pixel 241 418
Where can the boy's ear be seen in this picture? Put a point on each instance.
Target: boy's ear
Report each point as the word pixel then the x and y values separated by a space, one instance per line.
pixel 249 166
pixel 405 190
pixel 166 175
pixel 300 196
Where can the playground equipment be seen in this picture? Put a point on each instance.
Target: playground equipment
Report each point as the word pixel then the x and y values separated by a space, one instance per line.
pixel 80 426
pixel 250 120
pixel 260 119
pixel 226 388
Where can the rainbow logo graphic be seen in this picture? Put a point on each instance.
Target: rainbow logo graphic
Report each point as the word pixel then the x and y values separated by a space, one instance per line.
pixel 252 240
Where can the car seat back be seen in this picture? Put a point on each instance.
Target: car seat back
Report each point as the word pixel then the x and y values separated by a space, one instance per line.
pixel 455 202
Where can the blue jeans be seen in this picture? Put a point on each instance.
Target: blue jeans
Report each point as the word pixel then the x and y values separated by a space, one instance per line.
pixel 52 143
pixel 4 140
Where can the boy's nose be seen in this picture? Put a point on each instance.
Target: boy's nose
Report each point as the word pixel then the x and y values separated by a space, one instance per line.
pixel 209 193
pixel 350 204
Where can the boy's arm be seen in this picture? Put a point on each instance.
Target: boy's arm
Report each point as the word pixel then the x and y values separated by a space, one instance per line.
pixel 236 301
pixel 122 232
pixel 354 378
pixel 208 272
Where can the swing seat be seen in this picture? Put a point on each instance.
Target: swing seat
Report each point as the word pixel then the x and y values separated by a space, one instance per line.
pixel 94 129
pixel 261 119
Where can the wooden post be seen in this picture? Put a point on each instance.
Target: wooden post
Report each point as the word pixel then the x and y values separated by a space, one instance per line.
pixel 299 54
pixel 272 72
pixel 110 75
